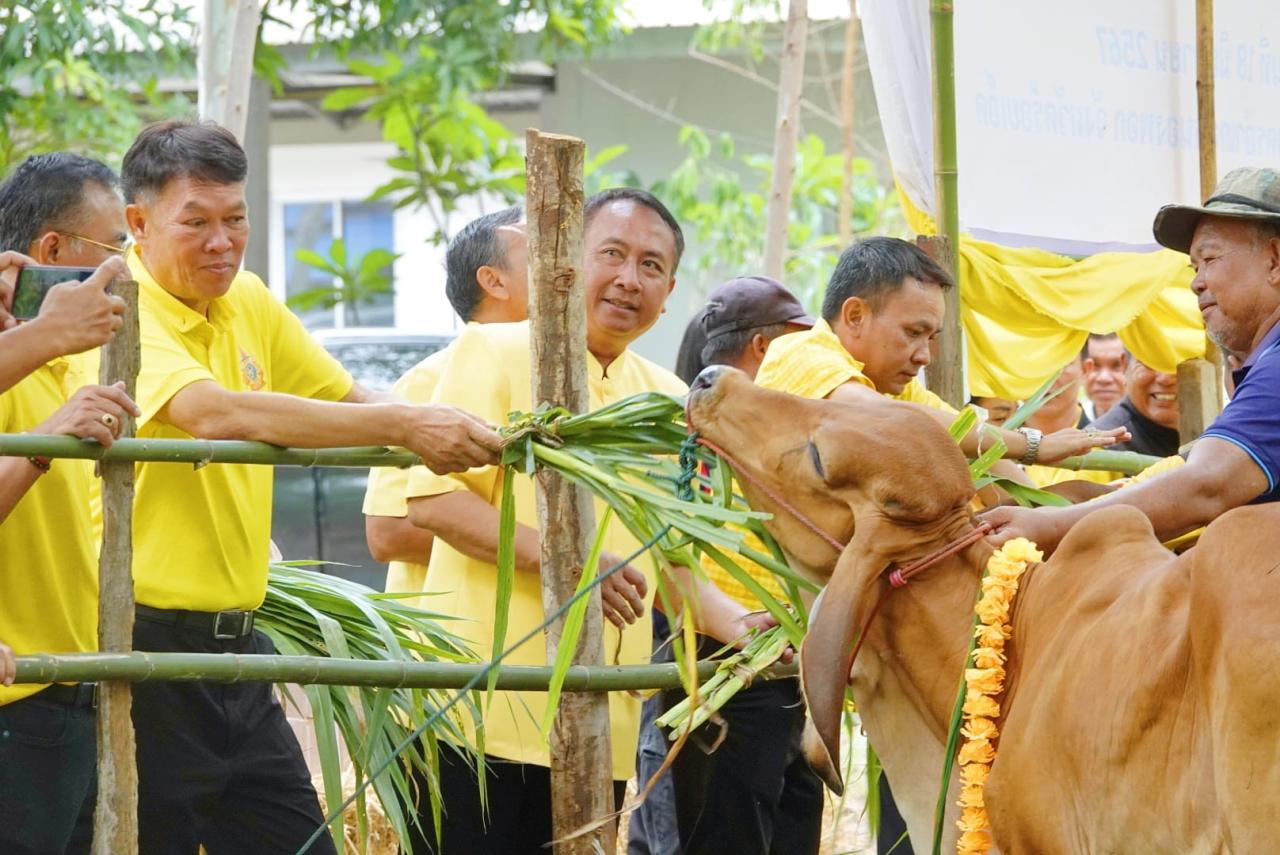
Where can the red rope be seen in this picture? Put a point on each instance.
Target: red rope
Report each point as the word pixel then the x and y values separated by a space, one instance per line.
pixel 773 495
pixel 897 578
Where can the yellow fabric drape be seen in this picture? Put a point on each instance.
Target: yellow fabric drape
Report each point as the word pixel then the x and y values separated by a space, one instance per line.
pixel 1026 312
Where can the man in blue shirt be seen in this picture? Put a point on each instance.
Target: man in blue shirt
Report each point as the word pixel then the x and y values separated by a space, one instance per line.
pixel 1234 244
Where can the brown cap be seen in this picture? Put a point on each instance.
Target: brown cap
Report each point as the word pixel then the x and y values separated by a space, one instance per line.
pixel 1247 193
pixel 749 302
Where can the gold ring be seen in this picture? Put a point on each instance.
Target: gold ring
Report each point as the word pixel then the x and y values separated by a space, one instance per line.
pixel 108 420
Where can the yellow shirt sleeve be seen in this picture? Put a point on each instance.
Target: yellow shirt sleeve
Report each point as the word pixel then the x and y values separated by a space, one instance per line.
pixel 475 382
pixel 167 366
pixel 916 393
pixel 811 364
pixel 385 496
pixel 301 366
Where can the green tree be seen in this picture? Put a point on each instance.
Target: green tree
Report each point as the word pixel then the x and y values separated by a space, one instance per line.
pixel 427 62
pixel 82 74
pixel 720 198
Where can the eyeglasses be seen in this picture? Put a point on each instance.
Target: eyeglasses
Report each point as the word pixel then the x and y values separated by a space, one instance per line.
pixel 114 250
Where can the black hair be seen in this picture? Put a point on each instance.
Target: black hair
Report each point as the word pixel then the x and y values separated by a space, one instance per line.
pixel 1093 336
pixel 476 246
pixel 45 193
pixel 689 362
pixel 641 197
pixel 727 347
pixel 172 149
pixel 876 267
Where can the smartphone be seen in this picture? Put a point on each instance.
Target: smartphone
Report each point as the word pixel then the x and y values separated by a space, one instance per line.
pixel 34 282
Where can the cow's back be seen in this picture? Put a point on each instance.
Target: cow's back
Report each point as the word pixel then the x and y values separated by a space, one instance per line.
pixel 1103 744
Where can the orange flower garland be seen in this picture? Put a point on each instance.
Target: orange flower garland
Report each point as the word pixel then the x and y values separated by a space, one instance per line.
pixel 984 679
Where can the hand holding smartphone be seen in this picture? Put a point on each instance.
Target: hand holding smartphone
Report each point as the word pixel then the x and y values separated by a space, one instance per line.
pixel 75 310
pixel 34 283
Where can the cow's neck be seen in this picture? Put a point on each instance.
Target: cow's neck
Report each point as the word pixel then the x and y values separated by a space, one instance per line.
pixel 906 678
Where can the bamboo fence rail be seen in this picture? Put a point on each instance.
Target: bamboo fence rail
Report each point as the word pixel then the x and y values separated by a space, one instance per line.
pixel 139 667
pixel 202 451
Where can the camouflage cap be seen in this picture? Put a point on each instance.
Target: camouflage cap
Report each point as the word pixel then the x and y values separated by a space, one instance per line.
pixel 1248 193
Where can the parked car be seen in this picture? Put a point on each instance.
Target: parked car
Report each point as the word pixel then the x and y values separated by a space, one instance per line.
pixel 317 513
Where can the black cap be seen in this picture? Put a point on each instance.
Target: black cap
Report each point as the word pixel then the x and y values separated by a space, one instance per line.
pixel 748 302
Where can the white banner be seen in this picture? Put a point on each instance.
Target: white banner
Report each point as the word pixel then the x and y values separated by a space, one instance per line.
pixel 1075 121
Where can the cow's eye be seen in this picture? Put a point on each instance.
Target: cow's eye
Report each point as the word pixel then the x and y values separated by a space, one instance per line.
pixel 817 460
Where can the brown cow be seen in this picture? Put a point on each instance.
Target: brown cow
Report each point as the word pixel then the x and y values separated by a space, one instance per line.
pixel 1140 713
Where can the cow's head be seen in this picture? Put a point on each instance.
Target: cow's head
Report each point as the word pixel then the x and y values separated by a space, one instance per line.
pixel 883 477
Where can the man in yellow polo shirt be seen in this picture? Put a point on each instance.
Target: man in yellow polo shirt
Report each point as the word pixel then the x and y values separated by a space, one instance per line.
pixel 882 308
pixel 223 359
pixel 48 553
pixel 632 246
pixel 486 273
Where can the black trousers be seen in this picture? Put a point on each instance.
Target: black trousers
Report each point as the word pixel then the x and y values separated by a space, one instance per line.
pixel 217 763
pixel 48 761
pixel 518 816
pixel 755 793
pixel 891 837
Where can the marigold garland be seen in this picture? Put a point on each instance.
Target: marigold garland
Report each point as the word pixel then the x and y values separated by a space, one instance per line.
pixel 984 679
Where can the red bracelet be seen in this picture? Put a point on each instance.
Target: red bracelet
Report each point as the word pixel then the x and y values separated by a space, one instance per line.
pixel 41 463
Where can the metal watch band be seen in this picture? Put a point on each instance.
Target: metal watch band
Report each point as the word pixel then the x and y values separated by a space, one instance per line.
pixel 1033 445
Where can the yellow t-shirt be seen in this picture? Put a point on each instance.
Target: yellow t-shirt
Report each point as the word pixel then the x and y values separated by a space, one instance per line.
pixel 813 364
pixel 48 555
pixel 1047 476
pixel 200 536
pixel 384 496
pixel 489 375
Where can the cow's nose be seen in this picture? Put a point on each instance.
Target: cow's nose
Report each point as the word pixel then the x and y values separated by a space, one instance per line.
pixel 706 378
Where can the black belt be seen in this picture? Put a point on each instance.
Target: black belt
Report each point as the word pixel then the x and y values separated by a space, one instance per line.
pixel 231 624
pixel 83 695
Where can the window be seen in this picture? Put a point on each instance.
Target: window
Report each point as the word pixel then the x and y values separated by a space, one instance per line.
pixel 315 225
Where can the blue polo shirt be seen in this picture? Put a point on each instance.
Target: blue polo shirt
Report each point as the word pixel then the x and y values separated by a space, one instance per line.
pixel 1251 420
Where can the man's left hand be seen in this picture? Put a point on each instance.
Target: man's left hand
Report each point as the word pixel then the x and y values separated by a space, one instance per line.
pixel 1071 442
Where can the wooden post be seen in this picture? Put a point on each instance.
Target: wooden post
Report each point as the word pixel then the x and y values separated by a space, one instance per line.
pixel 1200 380
pixel 581 755
pixel 845 224
pixel 225 62
pixel 945 373
pixel 115 818
pixel 790 92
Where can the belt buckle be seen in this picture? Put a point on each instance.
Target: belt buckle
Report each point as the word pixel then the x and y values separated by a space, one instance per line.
pixel 238 623
pixel 92 689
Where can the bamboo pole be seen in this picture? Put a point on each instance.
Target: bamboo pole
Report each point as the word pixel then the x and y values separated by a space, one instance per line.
pixel 1200 380
pixel 1124 462
pixel 946 372
pixel 790 92
pixel 201 451
pixel 581 754
pixel 143 667
pixel 115 818
pixel 845 224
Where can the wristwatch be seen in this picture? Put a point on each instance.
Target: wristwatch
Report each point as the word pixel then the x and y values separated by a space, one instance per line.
pixel 1033 445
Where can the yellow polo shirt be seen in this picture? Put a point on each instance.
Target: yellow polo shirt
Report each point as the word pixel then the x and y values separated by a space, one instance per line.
pixel 48 554
pixel 813 364
pixel 200 536
pixel 384 497
pixel 489 375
